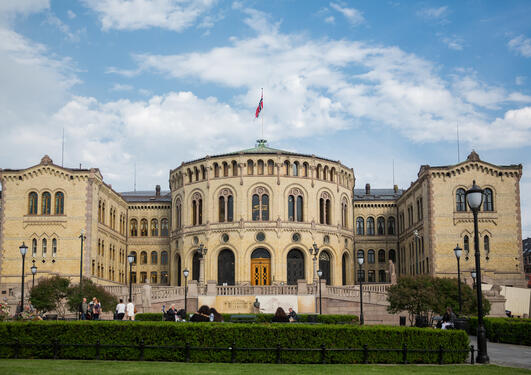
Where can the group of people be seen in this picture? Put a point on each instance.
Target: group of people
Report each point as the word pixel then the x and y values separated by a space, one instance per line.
pixel 92 310
pixel 282 317
pixel 203 314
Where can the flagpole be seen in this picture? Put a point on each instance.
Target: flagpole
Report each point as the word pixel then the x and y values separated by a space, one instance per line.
pixel 262 114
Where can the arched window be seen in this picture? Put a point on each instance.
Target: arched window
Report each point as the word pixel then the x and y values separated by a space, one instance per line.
pixel 325 173
pixel 370 226
pixel 370 256
pixel 305 168
pixel 143 228
pixel 143 257
pixel 270 167
pixel 32 203
pixel 324 266
pixel 164 278
pixel 295 266
pixel 260 167
pixel 203 172
pixel 344 213
pixel 286 168
pixel 318 170
pixel 154 227
pixel 391 226
pixel 133 227
pixel 216 170
pixel 225 169
pixel 295 202
pixel 44 247
pixel 392 255
pixel 234 166
pixel 164 258
pixel 226 206
pixel 381 226
pixel 460 200
pixel 59 203
pixel 34 248
pixel 486 245
pixel 196 264
pixel 46 203
pixel 197 209
pixel 344 265
pixel 381 276
pixel 371 276
pixel 466 245
pixel 325 208
pixel 260 205
pixel 164 230
pixel 360 226
pixel 488 204
pixel 332 174
pixel 196 173
pixel 178 213
pixel 153 277
pixel 54 247
pixel 381 256
pixel 250 167
pixel 226 267
pixel 154 257
pixel 295 171
pixel 133 253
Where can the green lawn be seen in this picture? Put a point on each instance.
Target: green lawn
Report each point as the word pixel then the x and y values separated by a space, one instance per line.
pixel 46 366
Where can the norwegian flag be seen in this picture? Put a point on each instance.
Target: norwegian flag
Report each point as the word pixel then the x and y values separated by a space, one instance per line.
pixel 260 106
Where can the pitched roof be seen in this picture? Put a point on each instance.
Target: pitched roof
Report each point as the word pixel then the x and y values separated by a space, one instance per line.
pixel 377 194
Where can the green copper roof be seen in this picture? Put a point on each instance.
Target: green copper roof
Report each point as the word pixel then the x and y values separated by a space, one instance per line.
pixel 261 148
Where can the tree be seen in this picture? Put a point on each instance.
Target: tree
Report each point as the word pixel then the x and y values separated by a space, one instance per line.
pixel 426 295
pixel 49 295
pixel 75 296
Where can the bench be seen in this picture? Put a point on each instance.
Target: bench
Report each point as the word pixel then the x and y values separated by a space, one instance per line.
pixel 241 318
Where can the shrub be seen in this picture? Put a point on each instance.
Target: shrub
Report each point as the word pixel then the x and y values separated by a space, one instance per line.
pixel 174 336
pixel 267 318
pixel 505 330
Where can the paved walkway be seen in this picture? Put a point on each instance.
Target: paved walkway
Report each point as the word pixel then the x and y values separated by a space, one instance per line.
pixel 507 354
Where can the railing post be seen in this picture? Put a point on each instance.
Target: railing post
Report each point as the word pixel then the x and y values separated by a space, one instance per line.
pixel 323 354
pixel 187 352
pixel 98 350
pixel 471 354
pixel 404 354
pixel 55 348
pixel 440 354
pixel 16 349
pixel 365 354
pixel 141 349
pixel 233 353
pixel 279 359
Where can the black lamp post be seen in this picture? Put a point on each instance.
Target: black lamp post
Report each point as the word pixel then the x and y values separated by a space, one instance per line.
pixel 33 272
pixel 319 274
pixel 458 251
pixel 185 273
pixel 130 259
pixel 23 250
pixel 360 262
pixel 82 237
pixel 474 197
pixel 473 274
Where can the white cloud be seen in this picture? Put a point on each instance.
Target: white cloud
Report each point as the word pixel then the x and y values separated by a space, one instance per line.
pixel 24 7
pixel 452 41
pixel 71 14
pixel 53 20
pixel 521 45
pixel 330 19
pixel 354 16
pixel 121 87
pixel 176 15
pixel 433 13
pixel 520 80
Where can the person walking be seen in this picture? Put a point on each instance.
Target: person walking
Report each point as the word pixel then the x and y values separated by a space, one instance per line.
pixel 96 310
pixel 130 309
pixel 83 308
pixel 120 310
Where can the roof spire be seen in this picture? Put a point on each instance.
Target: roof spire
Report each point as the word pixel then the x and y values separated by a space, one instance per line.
pixel 262 143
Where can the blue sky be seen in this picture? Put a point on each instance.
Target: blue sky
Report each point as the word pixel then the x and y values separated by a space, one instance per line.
pixel 158 82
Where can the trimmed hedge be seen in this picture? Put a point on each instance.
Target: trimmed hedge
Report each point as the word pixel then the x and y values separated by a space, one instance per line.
pixel 266 318
pixel 230 335
pixel 505 330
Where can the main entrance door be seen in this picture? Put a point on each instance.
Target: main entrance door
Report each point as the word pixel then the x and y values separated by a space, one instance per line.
pixel 260 267
pixel 295 266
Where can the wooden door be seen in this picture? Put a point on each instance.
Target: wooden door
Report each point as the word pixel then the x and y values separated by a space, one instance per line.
pixel 260 271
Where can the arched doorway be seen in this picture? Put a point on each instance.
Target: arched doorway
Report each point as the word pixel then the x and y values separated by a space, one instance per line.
pixel 196 266
pixel 260 267
pixel 324 265
pixel 295 266
pixel 344 263
pixel 226 267
pixel 179 270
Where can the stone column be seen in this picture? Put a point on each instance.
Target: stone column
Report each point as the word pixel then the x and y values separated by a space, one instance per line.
pixel 202 270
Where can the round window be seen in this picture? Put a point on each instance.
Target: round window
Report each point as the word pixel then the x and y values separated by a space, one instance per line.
pixel 326 239
pixel 260 236
pixel 296 237
pixel 225 237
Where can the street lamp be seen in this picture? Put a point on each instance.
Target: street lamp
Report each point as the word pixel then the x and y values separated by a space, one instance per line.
pixel 130 259
pixel 33 272
pixel 314 250
pixel 23 250
pixel 458 251
pixel 360 262
pixel 320 273
pixel 82 237
pixel 473 274
pixel 185 273
pixel 474 197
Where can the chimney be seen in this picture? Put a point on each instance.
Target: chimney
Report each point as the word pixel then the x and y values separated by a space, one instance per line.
pixel 395 188
pixel 367 189
pixel 157 190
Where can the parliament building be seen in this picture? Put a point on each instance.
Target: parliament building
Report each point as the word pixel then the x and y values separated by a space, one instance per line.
pixel 260 216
